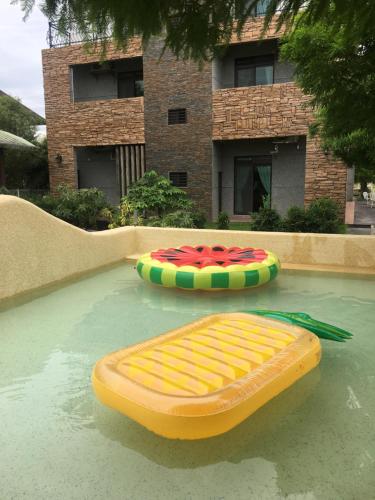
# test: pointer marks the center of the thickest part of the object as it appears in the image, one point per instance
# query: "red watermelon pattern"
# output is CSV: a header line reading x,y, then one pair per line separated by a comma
x,y
203,256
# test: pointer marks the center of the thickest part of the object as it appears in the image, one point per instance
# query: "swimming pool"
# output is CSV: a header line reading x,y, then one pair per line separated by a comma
x,y
315,440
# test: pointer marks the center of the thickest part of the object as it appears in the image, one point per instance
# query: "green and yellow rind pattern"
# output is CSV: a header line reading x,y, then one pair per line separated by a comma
x,y
235,277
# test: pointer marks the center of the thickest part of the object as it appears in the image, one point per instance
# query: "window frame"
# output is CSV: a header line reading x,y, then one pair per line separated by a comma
x,y
176,112
178,172
135,74
256,160
254,62
257,13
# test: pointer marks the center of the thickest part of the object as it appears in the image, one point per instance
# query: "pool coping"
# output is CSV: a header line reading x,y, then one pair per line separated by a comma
x,y
38,250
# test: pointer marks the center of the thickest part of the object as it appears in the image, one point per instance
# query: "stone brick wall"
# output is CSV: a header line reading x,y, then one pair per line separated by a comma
x,y
69,124
325,176
253,31
276,111
261,111
226,114
169,84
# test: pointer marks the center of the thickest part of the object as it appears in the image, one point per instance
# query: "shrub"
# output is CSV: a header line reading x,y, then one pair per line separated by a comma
x,y
125,215
154,221
267,219
3,190
180,218
223,221
296,220
323,216
199,219
79,207
154,193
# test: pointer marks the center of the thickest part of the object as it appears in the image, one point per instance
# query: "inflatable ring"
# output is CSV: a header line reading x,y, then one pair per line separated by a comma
x,y
208,268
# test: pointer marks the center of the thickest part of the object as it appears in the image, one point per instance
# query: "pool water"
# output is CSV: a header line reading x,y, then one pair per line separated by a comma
x,y
315,440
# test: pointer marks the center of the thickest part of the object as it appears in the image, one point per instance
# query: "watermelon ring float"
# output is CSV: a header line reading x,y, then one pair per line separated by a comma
x,y
208,268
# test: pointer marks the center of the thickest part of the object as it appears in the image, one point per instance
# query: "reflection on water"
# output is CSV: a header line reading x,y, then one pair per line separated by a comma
x,y
313,441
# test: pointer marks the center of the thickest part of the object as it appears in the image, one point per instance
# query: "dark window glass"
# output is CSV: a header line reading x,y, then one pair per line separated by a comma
x,y
252,71
261,7
176,116
178,179
130,84
252,184
220,189
259,10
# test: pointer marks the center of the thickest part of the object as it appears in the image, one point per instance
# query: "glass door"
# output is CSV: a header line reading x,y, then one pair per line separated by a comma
x,y
252,184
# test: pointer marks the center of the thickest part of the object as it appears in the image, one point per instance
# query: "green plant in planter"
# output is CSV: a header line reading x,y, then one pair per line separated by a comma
x,y
79,207
323,216
296,220
223,221
180,218
154,194
267,219
126,215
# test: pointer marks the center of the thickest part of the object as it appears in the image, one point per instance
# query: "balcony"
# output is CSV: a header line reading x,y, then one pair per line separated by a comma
x,y
56,38
261,111
114,79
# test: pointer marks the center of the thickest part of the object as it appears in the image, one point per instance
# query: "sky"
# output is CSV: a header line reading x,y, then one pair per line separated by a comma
x,y
21,43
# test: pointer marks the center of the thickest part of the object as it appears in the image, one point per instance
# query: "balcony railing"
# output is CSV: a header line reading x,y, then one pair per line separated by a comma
x,y
57,38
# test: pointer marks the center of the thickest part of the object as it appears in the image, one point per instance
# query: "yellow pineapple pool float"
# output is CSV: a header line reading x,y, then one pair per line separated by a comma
x,y
205,378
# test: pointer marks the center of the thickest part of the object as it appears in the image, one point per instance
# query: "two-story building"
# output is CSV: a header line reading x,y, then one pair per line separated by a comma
x,y
233,132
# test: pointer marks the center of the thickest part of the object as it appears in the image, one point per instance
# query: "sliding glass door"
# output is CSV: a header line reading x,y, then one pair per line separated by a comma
x,y
252,183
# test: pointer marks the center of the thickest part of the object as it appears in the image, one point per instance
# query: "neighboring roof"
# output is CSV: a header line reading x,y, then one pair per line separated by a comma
x,y
38,120
8,140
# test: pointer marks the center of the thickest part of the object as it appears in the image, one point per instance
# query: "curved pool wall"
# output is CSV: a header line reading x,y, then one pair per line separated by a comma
x,y
38,249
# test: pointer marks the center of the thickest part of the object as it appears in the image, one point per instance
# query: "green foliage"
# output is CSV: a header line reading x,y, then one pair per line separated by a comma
x,y
23,168
154,193
194,29
223,221
154,221
180,218
335,64
296,220
3,190
199,219
81,208
153,201
267,219
27,169
124,216
323,216
16,118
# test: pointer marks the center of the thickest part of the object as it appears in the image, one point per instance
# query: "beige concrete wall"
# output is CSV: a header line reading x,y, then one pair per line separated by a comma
x,y
37,249
345,252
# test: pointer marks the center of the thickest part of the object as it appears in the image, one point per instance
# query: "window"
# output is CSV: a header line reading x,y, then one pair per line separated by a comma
x,y
115,79
178,179
130,84
252,71
176,116
259,10
261,7
252,184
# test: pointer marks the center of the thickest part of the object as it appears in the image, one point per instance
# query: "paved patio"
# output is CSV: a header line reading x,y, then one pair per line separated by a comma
x,y
364,216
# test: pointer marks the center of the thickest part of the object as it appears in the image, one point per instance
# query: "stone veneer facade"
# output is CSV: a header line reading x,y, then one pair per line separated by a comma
x,y
276,111
171,84
220,115
90,123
